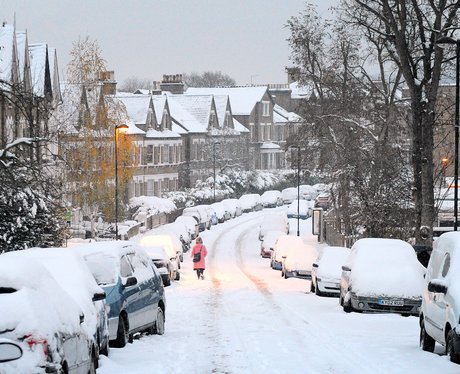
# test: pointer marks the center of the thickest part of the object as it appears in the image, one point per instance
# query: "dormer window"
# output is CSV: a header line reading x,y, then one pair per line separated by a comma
x,y
212,117
166,119
150,120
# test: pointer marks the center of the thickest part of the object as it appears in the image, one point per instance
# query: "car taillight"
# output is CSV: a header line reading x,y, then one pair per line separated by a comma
x,y
33,341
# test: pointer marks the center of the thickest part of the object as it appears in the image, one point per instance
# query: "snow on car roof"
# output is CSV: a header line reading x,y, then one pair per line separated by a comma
x,y
331,260
39,305
386,267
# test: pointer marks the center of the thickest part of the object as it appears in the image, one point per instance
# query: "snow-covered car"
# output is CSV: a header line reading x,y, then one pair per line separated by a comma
x,y
73,275
233,206
267,245
271,199
298,260
41,318
300,208
134,289
221,212
440,314
289,195
327,270
172,245
307,192
323,200
201,214
282,246
191,224
382,275
160,258
273,221
250,202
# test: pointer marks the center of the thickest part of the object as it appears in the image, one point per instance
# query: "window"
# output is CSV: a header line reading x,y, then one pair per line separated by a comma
x,y
251,129
165,154
446,266
156,156
262,131
157,188
150,187
149,155
125,267
171,154
266,108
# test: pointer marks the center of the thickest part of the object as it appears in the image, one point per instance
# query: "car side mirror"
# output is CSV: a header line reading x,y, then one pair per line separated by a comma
x,y
315,265
438,286
82,318
131,281
346,268
99,296
283,256
9,352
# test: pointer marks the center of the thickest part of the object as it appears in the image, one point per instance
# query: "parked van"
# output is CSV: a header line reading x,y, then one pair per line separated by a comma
x,y
439,317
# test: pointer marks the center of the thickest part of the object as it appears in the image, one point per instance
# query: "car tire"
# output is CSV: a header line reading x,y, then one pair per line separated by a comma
x,y
450,348
177,277
318,292
426,341
167,281
347,307
94,364
123,336
104,350
285,274
159,328
312,287
341,300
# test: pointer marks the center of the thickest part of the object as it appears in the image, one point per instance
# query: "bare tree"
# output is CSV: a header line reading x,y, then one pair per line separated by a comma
x,y
208,79
408,31
132,84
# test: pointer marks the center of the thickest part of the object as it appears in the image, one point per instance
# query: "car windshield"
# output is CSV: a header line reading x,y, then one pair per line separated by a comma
x,y
103,267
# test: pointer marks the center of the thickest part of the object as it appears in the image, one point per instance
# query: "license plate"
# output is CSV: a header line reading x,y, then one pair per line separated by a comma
x,y
303,272
391,302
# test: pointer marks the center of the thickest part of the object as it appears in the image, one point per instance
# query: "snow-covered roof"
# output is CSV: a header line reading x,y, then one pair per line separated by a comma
x,y
281,115
21,43
197,105
183,117
38,56
242,99
221,102
6,52
136,106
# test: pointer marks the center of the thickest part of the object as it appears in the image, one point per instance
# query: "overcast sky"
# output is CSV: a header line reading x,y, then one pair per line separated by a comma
x,y
245,39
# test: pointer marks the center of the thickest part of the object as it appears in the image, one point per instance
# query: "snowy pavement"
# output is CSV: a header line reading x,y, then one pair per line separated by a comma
x,y
245,318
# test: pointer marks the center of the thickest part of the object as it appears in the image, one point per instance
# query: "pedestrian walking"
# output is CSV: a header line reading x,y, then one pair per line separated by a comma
x,y
198,255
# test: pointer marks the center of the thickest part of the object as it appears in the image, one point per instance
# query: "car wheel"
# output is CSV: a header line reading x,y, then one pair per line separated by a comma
x,y
347,308
312,287
94,364
160,322
285,274
318,292
167,281
104,350
426,341
450,348
341,300
177,277
123,336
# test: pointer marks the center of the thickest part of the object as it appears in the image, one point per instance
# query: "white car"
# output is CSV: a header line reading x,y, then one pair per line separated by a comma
x,y
289,195
271,199
440,314
162,262
191,224
172,246
41,318
267,245
282,246
382,275
250,202
327,270
274,221
233,206
74,276
221,212
298,261
300,208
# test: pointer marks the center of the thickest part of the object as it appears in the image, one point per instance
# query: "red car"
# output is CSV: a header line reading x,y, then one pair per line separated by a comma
x,y
266,246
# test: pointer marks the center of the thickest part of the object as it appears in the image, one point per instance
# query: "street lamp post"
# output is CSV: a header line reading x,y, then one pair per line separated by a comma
x,y
214,166
298,191
117,127
456,42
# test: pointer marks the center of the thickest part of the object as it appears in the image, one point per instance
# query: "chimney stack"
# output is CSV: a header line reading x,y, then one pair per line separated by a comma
x,y
109,84
173,84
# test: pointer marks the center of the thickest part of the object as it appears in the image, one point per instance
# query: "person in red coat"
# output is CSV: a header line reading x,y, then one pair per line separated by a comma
x,y
199,264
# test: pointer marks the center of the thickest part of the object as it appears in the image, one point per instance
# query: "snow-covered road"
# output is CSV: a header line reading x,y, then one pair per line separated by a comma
x,y
245,318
